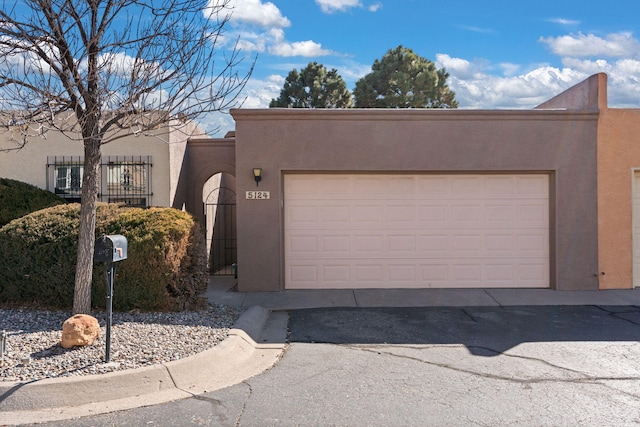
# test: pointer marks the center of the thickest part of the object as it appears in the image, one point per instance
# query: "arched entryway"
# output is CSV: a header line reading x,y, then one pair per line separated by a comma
x,y
206,189
219,199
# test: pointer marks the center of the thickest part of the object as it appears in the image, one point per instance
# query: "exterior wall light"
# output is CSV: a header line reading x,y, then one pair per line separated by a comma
x,y
257,175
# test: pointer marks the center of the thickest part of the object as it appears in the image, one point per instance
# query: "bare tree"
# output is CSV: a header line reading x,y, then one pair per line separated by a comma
x,y
99,70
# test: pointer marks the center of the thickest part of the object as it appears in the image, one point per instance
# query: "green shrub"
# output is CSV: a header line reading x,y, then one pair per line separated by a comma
x,y
18,199
165,269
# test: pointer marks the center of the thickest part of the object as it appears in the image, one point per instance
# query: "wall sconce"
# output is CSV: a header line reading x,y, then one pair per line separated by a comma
x,y
257,175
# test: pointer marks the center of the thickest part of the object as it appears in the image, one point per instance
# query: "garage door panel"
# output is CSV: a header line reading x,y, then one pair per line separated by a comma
x,y
302,243
500,272
368,213
532,272
433,185
336,274
501,185
532,186
466,244
402,273
402,245
435,213
368,244
416,231
371,275
302,215
333,214
336,244
465,186
400,214
304,275
499,244
501,214
534,244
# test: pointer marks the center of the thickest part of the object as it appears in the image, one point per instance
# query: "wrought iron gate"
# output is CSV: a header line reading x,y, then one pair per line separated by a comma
x,y
220,213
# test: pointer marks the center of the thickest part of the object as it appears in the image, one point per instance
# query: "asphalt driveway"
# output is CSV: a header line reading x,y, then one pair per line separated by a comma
x,y
441,366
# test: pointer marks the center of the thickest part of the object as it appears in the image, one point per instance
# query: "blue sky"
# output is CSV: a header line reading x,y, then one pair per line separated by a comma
x,y
500,54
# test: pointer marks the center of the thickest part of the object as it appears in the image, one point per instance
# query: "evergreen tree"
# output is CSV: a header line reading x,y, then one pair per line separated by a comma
x,y
313,87
402,79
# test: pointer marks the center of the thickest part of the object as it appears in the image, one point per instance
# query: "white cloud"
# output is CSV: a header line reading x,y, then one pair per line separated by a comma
x,y
477,88
256,12
260,92
375,7
477,29
259,27
509,69
479,84
306,48
330,6
462,68
563,21
513,92
583,45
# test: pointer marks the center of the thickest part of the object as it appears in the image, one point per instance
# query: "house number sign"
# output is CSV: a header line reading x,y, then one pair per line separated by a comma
x,y
258,195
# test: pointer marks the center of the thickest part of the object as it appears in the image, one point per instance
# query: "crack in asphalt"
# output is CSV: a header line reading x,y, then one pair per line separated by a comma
x,y
469,315
585,380
617,314
244,404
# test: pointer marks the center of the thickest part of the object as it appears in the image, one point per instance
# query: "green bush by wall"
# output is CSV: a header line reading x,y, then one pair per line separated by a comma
x,y
165,269
19,198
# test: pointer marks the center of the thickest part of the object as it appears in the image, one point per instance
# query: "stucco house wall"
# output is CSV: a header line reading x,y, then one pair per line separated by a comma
x,y
618,154
561,143
618,157
166,147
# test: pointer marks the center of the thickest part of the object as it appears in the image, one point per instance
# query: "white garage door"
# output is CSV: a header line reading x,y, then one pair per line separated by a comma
x,y
416,231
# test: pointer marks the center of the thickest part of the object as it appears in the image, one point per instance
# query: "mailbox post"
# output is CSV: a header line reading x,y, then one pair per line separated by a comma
x,y
110,249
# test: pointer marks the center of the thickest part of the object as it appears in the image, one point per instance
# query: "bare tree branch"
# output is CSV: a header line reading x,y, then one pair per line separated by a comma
x,y
102,70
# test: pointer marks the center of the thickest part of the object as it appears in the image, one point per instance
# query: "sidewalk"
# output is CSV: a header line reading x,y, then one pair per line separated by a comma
x,y
221,292
255,344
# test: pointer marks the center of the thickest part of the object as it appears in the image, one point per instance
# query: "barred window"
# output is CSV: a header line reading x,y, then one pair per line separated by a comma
x,y
64,177
123,179
127,179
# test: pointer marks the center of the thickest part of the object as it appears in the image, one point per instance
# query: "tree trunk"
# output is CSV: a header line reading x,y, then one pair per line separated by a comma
x,y
86,236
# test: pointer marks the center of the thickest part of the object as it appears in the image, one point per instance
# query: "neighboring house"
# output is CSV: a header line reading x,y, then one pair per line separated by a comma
x,y
140,170
137,170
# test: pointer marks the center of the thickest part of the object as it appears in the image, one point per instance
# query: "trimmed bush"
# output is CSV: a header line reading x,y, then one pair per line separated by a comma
x,y
18,199
165,269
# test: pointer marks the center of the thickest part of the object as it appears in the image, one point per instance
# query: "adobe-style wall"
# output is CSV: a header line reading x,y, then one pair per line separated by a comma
x,y
560,143
29,164
204,158
618,156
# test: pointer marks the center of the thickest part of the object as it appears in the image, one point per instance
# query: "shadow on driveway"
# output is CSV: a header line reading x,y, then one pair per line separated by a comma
x,y
478,328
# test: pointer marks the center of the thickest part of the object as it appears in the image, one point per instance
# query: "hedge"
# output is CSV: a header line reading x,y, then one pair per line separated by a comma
x,y
19,198
165,269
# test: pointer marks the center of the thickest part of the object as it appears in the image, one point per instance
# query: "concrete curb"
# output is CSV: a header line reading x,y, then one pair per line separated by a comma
x,y
234,360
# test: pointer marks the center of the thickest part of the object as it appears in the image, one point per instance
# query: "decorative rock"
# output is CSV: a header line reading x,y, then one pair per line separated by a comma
x,y
80,330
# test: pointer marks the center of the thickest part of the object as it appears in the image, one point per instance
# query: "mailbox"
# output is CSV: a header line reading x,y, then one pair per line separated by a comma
x,y
110,248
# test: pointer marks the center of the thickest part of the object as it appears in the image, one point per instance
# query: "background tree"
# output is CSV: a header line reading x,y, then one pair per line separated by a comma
x,y
313,87
402,79
99,70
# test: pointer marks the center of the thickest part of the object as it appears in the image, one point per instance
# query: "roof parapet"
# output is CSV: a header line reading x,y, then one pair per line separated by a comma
x,y
588,95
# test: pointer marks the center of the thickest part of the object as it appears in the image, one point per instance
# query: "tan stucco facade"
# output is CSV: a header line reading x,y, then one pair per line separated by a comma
x,y
618,157
166,147
560,143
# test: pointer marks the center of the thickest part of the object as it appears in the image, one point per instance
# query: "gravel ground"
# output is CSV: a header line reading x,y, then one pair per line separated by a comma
x,y
33,349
